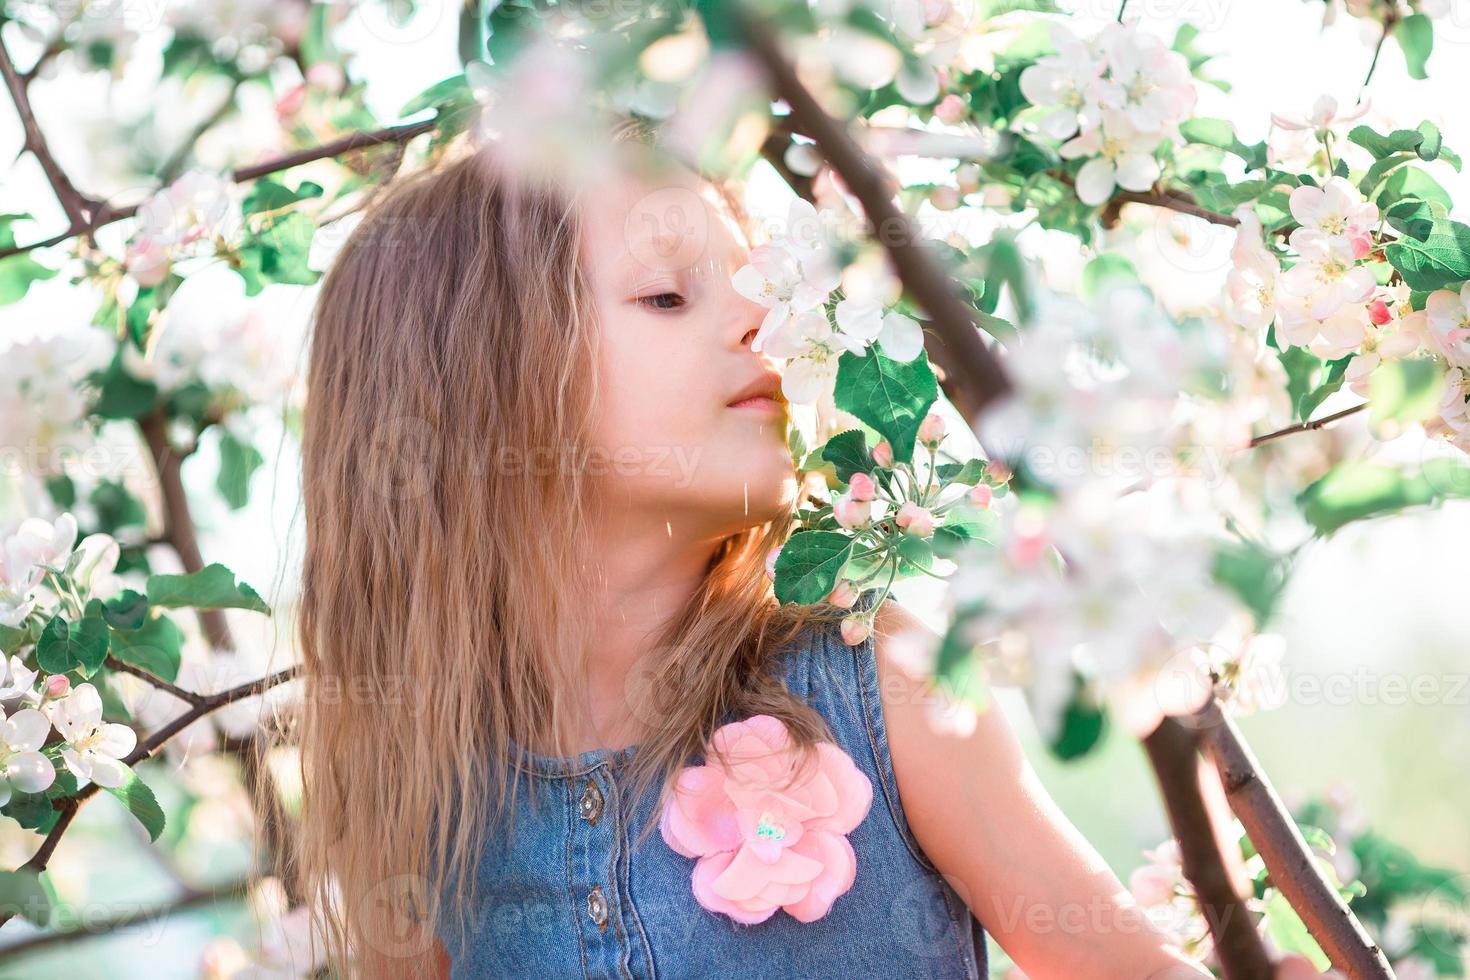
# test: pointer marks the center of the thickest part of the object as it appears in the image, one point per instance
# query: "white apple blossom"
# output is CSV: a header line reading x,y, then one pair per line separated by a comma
x,y
1326,275
36,545
786,284
1322,117
1337,210
1121,155
95,749
16,681
1146,80
1067,83
22,766
1118,97
1250,286
1447,314
195,208
42,400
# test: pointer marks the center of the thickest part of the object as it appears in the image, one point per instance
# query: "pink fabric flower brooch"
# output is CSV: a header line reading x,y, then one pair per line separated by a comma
x,y
761,847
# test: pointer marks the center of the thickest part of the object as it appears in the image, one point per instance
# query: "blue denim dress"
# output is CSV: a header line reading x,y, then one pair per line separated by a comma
x,y
568,897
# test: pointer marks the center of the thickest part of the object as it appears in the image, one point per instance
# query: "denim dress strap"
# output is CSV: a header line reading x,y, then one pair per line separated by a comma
x,y
571,897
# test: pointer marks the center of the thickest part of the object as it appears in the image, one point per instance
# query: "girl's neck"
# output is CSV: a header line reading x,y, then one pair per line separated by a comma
x,y
650,571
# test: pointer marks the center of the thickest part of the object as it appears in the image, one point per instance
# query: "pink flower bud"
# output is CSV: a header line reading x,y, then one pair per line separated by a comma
x,y
883,454
1028,547
951,109
998,471
851,513
57,686
771,557
856,629
981,495
861,487
1362,243
915,519
1378,312
843,594
931,430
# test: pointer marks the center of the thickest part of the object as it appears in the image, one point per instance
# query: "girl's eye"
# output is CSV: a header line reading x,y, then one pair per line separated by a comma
x,y
663,301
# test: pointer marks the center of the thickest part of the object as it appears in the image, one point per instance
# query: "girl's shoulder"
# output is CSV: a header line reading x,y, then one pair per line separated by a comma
x,y
842,682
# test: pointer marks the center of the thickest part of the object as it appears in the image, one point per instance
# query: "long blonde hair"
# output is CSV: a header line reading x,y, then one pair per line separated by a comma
x,y
454,335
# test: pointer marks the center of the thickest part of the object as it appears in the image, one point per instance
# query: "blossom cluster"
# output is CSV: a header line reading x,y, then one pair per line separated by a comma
x,y
41,562
1113,98
1109,576
793,276
184,219
1330,302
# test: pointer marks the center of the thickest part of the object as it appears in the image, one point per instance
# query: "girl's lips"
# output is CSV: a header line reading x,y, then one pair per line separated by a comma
x,y
762,403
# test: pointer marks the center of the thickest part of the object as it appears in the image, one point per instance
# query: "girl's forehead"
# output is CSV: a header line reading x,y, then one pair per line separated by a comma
x,y
684,224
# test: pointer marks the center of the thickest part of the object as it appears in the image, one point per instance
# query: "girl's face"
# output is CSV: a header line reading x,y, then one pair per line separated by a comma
x,y
679,435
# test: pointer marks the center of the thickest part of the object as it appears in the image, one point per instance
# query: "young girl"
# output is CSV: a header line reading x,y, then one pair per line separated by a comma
x,y
543,472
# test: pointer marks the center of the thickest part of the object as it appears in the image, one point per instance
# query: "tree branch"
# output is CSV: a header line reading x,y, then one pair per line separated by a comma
x,y
106,214
1173,751
191,899
145,750
1276,838
77,206
955,342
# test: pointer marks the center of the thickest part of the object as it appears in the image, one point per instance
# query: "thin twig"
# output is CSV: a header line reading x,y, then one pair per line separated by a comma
x,y
106,214
188,697
1276,838
1307,426
91,926
78,207
145,750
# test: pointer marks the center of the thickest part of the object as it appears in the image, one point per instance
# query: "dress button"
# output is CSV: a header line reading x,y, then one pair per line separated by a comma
x,y
597,907
591,805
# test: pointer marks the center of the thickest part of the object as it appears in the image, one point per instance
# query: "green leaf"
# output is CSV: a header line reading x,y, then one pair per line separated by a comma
x,y
1398,141
1356,490
212,587
116,507
154,646
1104,270
1441,259
23,893
1415,35
1081,727
962,526
238,461
1255,575
969,472
1219,133
1432,144
916,551
125,611
848,452
1407,390
1336,372
120,395
267,195
453,92
141,803
891,396
1289,933
12,639
79,646
17,272
809,564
